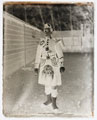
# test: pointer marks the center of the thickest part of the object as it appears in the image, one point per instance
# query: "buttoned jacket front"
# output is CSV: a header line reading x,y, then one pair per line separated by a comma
x,y
49,59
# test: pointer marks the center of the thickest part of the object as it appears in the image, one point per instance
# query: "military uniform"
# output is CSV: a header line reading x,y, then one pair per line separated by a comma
x,y
49,63
49,59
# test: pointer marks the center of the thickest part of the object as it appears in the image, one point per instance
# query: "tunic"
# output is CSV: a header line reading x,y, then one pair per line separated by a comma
x,y
49,59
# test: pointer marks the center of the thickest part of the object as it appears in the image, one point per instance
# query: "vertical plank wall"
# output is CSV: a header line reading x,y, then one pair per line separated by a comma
x,y
20,41
31,39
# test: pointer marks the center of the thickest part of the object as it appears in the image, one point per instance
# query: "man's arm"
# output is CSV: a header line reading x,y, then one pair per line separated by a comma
x,y
60,56
37,59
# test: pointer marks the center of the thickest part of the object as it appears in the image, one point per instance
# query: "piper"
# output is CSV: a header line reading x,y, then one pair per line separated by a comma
x,y
49,64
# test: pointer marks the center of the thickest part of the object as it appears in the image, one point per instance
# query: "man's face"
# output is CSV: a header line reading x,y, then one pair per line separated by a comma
x,y
47,31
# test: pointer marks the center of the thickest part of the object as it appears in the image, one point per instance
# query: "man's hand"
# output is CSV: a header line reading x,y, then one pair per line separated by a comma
x,y
36,70
62,69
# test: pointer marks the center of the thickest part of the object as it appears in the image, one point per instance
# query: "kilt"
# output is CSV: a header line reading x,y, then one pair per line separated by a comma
x,y
49,74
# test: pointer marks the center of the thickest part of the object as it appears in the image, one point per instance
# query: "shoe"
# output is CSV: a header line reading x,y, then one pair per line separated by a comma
x,y
46,106
56,111
43,105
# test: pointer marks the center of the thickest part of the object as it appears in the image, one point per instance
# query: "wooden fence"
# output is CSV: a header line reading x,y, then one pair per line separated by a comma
x,y
19,43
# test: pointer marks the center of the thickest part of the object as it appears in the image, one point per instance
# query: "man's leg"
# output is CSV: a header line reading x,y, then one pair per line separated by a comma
x,y
54,94
48,94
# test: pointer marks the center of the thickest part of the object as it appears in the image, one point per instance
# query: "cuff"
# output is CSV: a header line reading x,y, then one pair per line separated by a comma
x,y
36,65
61,62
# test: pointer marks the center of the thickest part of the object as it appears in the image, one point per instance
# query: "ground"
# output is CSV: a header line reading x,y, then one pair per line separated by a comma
x,y
23,95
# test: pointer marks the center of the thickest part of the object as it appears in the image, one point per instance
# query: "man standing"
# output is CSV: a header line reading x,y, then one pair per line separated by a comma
x,y
49,65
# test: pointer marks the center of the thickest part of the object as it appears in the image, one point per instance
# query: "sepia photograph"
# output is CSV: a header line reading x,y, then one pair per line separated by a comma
x,y
48,59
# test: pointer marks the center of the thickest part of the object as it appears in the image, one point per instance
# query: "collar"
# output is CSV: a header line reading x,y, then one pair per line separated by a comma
x,y
48,37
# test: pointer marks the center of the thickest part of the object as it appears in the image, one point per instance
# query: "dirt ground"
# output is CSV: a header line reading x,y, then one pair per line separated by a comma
x,y
23,96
